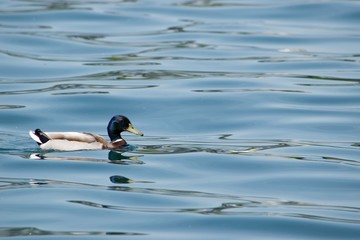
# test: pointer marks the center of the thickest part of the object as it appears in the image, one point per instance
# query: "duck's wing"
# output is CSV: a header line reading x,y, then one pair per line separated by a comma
x,y
70,136
75,136
67,141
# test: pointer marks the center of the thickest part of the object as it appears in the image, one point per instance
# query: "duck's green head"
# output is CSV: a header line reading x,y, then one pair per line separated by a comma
x,y
120,124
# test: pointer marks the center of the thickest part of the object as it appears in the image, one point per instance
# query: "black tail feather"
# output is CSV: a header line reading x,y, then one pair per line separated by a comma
x,y
42,136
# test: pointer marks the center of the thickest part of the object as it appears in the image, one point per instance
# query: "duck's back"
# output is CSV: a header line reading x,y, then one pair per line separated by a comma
x,y
70,141
72,136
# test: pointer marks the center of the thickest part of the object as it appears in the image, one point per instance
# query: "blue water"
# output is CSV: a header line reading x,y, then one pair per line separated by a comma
x,y
250,110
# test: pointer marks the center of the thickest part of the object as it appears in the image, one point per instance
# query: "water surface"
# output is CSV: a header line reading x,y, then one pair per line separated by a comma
x,y
250,111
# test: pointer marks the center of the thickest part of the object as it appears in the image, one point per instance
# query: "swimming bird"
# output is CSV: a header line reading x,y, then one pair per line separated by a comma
x,y
71,141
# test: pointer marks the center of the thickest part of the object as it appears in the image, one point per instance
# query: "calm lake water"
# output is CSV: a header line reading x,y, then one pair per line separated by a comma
x,y
250,111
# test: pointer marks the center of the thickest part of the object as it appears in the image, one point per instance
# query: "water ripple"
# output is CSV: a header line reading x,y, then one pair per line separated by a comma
x,y
11,106
238,205
33,232
66,87
250,111
269,207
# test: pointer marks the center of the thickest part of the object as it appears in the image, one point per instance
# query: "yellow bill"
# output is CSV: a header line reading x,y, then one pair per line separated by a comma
x,y
134,130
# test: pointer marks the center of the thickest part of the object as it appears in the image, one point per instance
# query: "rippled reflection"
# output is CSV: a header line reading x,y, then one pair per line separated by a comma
x,y
221,204
66,88
238,206
231,204
11,106
114,157
33,232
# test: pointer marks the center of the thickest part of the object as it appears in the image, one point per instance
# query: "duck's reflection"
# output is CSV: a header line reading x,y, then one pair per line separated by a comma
x,y
118,158
120,179
114,157
117,179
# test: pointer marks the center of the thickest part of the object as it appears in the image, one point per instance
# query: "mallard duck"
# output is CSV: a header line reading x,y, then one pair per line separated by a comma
x,y
70,141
